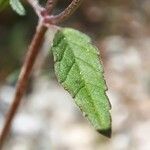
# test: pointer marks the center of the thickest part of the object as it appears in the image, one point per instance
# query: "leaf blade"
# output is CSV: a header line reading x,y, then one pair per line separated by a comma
x,y
79,71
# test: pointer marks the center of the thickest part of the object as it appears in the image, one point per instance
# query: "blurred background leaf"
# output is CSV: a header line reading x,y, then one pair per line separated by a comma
x,y
17,7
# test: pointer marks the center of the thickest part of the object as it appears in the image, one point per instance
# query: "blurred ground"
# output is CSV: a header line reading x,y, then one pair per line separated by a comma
x,y
48,118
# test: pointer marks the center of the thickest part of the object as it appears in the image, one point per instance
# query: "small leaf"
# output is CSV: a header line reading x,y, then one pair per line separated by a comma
x,y
17,6
80,72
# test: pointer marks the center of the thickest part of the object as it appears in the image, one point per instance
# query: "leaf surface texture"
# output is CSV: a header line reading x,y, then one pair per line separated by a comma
x,y
79,70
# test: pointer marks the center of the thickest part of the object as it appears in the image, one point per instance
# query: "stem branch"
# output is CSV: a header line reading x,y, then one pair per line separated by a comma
x,y
50,5
65,14
33,50
36,7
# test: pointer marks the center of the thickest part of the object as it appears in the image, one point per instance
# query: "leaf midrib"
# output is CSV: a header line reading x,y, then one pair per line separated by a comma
x,y
85,85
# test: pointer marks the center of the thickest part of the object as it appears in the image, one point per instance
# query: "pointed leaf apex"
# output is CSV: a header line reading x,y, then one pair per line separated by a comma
x,y
106,132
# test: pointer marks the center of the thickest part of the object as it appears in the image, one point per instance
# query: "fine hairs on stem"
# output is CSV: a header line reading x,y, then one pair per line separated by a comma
x,y
45,19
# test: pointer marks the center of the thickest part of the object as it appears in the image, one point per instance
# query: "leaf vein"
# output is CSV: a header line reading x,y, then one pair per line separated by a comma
x,y
68,73
96,52
78,91
87,63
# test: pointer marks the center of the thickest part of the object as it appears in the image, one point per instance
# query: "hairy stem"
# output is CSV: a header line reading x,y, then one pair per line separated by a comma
x,y
65,14
36,6
50,5
23,78
32,55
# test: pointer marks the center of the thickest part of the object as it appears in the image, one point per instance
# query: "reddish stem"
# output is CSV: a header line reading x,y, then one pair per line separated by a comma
x,y
23,78
32,54
50,5
67,12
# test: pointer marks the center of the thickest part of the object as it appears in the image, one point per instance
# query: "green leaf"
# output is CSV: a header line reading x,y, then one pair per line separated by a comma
x,y
17,7
80,72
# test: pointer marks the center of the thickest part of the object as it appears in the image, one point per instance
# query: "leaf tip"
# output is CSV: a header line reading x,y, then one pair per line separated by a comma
x,y
105,132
